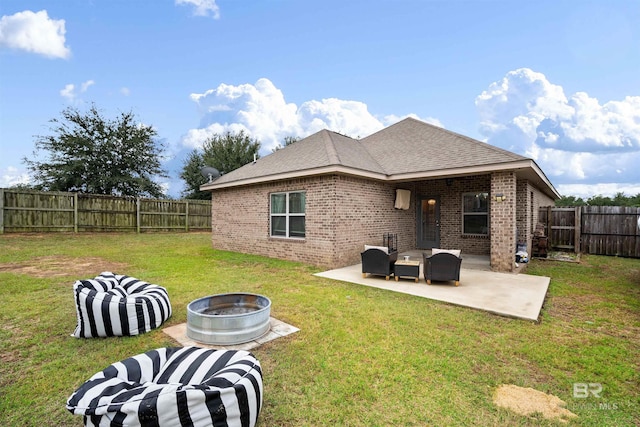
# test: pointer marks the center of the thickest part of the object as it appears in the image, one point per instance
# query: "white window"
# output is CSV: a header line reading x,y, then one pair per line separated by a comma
x,y
475,213
288,214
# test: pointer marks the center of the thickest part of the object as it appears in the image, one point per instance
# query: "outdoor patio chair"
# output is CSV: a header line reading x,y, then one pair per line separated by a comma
x,y
377,260
175,386
442,265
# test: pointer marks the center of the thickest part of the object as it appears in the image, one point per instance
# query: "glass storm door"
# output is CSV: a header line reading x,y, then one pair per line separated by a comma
x,y
428,225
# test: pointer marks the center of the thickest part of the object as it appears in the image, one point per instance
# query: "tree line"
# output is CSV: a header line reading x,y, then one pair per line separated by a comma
x,y
620,199
90,153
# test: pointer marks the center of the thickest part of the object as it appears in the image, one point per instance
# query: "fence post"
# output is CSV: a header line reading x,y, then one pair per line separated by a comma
x,y
549,226
577,247
1,210
75,212
186,217
138,214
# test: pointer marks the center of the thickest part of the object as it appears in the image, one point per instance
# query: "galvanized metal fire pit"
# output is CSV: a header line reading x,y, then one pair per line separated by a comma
x,y
228,319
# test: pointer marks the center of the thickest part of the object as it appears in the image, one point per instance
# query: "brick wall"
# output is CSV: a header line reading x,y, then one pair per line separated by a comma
x,y
240,221
344,213
503,221
524,203
365,212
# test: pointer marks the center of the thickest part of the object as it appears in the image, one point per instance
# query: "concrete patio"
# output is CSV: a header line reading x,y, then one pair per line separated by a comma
x,y
513,295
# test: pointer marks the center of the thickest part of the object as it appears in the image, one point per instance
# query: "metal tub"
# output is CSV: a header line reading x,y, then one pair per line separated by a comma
x,y
227,319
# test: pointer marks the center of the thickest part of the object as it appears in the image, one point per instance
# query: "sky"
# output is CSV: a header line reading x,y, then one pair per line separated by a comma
x,y
556,81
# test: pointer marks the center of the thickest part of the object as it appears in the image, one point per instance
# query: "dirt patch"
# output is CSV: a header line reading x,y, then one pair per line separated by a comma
x,y
56,266
572,307
528,401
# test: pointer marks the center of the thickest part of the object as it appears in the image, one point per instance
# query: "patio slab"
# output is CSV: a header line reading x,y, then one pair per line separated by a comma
x,y
513,295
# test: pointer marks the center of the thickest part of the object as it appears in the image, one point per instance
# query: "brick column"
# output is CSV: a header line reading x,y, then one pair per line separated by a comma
x,y
503,221
524,211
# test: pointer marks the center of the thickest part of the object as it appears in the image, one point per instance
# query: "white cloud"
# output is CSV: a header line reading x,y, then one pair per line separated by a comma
x,y
34,32
575,139
603,189
350,118
84,86
125,91
202,7
262,111
68,92
259,109
392,118
72,94
195,137
11,176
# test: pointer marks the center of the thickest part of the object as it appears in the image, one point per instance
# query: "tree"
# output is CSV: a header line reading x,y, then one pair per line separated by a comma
x,y
288,140
224,152
620,199
600,200
570,201
92,154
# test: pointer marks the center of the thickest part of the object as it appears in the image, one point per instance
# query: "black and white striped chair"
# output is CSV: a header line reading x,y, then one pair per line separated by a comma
x,y
182,386
117,305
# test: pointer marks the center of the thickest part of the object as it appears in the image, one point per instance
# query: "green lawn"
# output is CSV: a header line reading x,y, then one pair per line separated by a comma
x,y
362,357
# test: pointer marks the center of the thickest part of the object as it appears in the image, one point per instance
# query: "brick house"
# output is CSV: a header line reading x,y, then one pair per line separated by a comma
x,y
321,199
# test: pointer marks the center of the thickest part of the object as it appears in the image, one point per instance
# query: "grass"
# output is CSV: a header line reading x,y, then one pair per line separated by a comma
x,y
362,357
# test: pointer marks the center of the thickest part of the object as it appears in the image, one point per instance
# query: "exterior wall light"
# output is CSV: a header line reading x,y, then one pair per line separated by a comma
x,y
499,197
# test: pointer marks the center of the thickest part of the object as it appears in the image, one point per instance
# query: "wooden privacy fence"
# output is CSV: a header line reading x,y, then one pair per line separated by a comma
x,y
34,211
598,230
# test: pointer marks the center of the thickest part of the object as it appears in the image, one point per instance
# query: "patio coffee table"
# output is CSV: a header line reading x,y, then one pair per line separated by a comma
x,y
407,268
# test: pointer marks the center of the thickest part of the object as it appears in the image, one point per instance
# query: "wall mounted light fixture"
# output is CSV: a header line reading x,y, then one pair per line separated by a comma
x,y
500,197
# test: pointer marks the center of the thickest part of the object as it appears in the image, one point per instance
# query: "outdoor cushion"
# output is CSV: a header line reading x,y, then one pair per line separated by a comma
x,y
455,252
179,386
118,305
382,248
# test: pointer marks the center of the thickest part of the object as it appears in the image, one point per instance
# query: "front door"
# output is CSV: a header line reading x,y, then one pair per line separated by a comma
x,y
428,225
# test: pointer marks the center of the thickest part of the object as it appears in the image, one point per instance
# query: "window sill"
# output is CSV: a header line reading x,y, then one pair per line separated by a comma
x,y
288,239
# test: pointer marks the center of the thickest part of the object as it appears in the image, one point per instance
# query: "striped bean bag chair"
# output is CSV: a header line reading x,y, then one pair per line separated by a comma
x,y
181,386
117,305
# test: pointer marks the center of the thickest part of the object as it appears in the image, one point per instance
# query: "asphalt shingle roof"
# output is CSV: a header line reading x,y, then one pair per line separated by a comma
x,y
322,149
409,146
414,146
